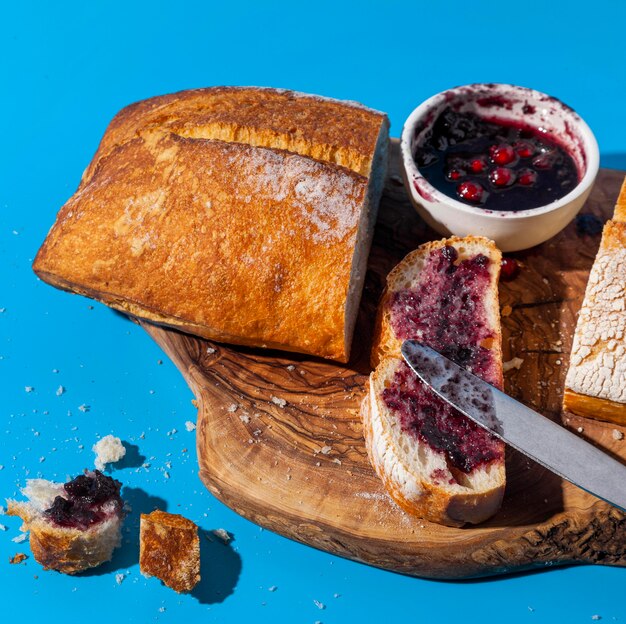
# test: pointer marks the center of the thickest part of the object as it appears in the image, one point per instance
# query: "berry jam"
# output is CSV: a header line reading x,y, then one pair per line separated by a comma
x,y
494,165
445,311
85,497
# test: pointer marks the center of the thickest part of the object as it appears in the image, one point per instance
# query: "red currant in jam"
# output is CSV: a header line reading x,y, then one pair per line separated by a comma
x,y
526,177
524,149
478,165
502,154
471,192
455,174
509,269
501,176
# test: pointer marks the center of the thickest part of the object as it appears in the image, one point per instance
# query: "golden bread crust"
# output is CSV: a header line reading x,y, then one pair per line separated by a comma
x,y
170,550
593,407
322,128
229,256
191,216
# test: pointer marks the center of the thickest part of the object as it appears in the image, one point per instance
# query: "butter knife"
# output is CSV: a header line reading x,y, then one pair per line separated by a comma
x,y
544,441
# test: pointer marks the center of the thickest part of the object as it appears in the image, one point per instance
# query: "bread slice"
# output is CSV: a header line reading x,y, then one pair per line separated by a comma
x,y
169,549
595,385
239,215
434,462
69,532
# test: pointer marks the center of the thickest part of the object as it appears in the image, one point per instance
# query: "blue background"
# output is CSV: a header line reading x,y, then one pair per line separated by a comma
x,y
64,71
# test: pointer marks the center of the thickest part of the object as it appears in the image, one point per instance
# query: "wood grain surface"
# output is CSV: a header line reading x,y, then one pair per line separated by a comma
x,y
280,442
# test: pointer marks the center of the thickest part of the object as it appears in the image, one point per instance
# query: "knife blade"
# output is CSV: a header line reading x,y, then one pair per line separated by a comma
x,y
541,439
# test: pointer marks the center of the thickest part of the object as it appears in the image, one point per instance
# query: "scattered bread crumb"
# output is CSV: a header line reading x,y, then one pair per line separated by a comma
x,y
244,418
318,604
513,363
326,449
232,408
18,558
190,426
60,390
280,402
617,434
291,367
273,588
20,538
222,534
84,408
119,578
210,350
580,429
108,450
29,388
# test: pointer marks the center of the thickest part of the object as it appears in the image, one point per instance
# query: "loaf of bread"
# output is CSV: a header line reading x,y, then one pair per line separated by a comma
x,y
242,215
169,549
434,462
595,385
73,526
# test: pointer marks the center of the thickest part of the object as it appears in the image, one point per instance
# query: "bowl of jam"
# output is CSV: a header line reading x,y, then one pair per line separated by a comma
x,y
498,160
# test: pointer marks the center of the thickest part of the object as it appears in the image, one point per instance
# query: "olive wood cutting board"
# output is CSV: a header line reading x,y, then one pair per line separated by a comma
x,y
280,442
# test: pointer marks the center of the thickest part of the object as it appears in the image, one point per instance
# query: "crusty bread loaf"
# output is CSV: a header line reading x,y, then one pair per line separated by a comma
x,y
595,385
193,214
419,452
66,549
169,549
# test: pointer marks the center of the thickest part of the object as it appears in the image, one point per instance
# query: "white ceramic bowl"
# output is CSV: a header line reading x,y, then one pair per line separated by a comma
x,y
511,231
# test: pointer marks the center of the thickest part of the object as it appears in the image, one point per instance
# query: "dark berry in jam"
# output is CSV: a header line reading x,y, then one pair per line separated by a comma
x,y
526,177
524,149
455,174
478,165
86,495
445,311
502,154
542,171
589,224
509,269
501,176
472,192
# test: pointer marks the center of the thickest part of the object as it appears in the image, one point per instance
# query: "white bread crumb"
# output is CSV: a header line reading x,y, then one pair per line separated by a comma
x,y
513,363
279,402
190,426
617,434
108,450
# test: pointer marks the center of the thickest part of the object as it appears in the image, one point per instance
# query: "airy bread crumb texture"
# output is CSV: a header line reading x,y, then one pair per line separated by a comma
x,y
108,450
170,550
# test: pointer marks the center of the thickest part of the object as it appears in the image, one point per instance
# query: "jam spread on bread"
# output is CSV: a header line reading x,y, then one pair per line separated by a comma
x,y
89,498
444,311
494,164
